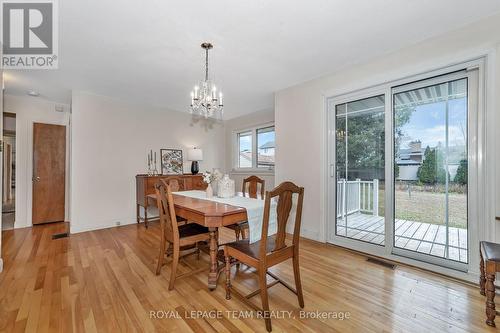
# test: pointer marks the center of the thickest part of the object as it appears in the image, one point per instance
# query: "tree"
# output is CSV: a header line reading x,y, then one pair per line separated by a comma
x,y
431,171
461,176
427,171
365,135
440,162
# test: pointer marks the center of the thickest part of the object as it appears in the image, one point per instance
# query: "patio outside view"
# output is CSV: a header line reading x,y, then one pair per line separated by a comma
x,y
430,194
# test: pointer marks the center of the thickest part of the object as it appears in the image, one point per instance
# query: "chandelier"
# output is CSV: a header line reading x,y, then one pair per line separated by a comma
x,y
204,98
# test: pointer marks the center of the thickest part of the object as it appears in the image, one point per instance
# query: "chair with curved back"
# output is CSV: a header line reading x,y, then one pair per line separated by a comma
x,y
249,189
179,237
176,184
270,250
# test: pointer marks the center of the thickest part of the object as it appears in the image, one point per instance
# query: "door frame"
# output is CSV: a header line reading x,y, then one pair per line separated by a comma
x,y
478,208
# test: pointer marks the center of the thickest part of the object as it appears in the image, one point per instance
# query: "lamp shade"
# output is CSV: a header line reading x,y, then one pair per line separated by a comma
x,y
195,154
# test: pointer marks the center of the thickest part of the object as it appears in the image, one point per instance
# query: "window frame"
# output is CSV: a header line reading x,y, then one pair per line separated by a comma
x,y
236,149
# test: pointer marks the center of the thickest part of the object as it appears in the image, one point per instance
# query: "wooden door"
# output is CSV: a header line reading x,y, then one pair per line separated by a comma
x,y
49,172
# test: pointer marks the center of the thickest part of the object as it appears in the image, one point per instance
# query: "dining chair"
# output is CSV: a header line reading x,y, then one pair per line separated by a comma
x,y
270,250
249,189
175,236
176,184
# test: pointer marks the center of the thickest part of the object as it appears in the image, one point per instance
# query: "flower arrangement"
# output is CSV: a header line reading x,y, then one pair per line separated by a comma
x,y
210,177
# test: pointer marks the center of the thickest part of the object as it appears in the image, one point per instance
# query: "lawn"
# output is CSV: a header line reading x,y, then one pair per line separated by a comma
x,y
429,207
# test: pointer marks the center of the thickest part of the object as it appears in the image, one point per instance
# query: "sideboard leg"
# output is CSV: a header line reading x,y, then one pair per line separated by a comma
x,y
138,213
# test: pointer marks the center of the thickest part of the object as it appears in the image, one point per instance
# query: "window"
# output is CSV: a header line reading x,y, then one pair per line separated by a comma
x,y
255,148
265,147
245,149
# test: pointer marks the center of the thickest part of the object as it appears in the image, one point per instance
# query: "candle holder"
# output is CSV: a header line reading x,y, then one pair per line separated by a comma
x,y
155,170
150,162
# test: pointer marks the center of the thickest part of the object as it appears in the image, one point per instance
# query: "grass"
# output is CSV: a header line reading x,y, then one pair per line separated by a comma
x,y
428,207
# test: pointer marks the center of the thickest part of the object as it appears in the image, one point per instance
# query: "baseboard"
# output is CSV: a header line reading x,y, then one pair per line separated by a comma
x,y
1,265
76,228
310,234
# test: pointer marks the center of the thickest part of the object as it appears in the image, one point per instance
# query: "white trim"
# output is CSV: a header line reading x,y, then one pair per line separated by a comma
x,y
389,173
29,171
485,213
75,229
260,171
415,75
1,265
370,249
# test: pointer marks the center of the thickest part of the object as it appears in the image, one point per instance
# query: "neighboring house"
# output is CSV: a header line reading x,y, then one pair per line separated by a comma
x,y
267,149
410,159
246,159
265,156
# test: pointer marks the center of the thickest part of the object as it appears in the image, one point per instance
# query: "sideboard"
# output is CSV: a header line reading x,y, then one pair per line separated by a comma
x,y
144,185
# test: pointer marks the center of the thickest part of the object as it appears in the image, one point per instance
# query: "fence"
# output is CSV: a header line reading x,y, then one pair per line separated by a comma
x,y
355,196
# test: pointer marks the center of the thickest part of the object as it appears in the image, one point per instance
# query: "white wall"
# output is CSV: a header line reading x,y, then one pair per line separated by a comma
x,y
496,136
110,142
29,110
301,118
235,124
1,155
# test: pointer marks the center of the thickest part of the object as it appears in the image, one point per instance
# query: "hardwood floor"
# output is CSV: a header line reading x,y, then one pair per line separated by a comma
x,y
104,281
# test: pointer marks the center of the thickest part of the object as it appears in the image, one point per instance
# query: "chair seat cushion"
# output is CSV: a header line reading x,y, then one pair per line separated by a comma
x,y
491,251
240,225
191,229
252,250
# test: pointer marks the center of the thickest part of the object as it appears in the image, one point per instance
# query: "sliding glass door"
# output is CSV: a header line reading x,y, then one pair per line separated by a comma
x,y
399,158
431,167
360,159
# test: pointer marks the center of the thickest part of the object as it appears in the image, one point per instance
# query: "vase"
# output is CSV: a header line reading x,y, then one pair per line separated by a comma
x,y
210,191
226,187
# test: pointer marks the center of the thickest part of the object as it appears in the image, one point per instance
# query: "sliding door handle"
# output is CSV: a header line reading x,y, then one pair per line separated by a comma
x,y
36,179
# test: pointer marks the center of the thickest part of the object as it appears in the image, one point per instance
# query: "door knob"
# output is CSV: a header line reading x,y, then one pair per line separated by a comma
x,y
36,179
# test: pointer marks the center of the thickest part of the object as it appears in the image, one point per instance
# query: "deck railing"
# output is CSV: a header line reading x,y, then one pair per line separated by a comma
x,y
355,196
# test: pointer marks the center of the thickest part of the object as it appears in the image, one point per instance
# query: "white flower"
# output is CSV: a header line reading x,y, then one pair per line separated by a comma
x,y
208,177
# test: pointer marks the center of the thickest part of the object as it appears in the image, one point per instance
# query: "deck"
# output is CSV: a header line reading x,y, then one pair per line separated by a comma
x,y
411,235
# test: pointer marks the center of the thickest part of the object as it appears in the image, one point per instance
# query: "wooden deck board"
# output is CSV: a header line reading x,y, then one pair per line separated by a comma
x,y
411,235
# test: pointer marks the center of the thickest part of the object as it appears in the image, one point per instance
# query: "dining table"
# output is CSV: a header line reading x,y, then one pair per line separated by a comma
x,y
212,214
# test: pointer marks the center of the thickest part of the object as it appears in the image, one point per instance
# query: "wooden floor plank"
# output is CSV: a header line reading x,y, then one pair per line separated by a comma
x,y
104,281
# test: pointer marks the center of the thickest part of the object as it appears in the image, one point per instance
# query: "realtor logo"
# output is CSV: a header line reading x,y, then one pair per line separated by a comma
x,y
29,34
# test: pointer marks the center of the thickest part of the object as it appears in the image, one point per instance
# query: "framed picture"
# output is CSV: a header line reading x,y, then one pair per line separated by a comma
x,y
171,162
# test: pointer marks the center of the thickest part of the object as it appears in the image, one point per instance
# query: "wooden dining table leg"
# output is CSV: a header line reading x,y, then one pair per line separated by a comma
x,y
212,275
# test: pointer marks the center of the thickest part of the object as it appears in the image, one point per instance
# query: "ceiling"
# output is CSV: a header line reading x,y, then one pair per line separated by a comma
x,y
148,52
